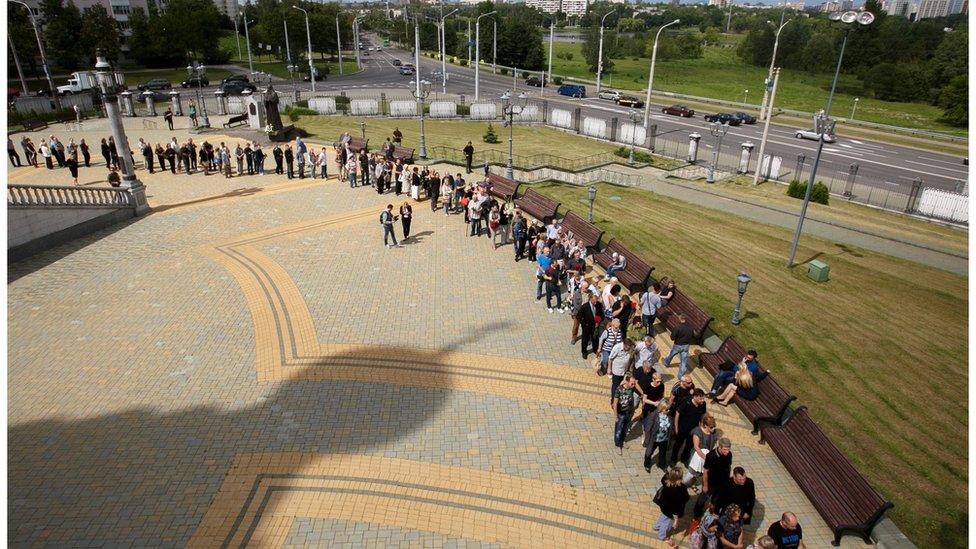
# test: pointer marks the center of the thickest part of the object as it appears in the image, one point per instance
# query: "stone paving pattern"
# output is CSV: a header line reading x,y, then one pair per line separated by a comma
x,y
153,401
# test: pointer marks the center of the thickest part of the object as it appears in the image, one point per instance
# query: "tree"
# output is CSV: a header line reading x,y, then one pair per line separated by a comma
x,y
519,41
183,31
955,100
22,35
99,30
893,81
591,49
62,34
819,53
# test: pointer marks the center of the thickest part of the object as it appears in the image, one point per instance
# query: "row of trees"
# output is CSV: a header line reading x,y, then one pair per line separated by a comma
x,y
181,31
70,36
270,17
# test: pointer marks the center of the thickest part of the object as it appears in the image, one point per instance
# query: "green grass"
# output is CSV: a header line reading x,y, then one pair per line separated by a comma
x,y
878,352
271,64
279,68
132,78
720,74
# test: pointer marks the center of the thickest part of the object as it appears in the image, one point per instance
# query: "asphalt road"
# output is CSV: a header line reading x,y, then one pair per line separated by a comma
x,y
885,166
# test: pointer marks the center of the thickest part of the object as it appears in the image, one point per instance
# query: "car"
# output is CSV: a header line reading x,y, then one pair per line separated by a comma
x,y
572,90
612,95
379,48
407,70
745,117
534,81
723,118
814,136
155,84
678,110
397,62
320,75
236,87
196,82
235,78
630,101
371,48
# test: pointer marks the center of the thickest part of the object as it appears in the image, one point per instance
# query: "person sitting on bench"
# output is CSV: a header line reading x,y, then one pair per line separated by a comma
x,y
619,264
726,372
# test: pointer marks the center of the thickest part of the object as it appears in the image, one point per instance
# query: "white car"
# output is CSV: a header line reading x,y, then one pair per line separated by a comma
x,y
611,95
814,136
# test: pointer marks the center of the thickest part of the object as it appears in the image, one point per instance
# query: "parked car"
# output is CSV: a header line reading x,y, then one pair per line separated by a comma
x,y
534,81
407,70
320,74
397,62
572,90
155,84
723,118
678,110
235,78
612,95
236,87
745,117
814,136
196,82
630,101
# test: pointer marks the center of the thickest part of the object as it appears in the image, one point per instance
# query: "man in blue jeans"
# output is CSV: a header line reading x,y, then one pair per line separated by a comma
x,y
725,376
623,408
683,337
387,219
544,261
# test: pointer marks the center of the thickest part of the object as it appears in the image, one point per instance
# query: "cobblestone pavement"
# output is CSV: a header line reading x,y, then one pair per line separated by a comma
x,y
257,369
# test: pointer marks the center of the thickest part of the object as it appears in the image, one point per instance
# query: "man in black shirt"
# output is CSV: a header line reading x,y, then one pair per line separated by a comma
x,y
686,419
590,316
278,155
290,161
717,468
682,336
468,155
741,491
787,533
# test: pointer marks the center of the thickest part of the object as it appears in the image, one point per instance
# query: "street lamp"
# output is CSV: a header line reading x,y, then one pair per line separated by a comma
x,y
650,77
338,46
308,33
247,38
355,32
599,61
40,48
592,194
512,106
198,70
766,109
444,52
634,118
362,126
477,51
863,19
719,131
743,281
420,94
745,97
108,88
853,110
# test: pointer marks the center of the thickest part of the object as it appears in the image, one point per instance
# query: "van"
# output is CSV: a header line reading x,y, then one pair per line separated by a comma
x,y
572,90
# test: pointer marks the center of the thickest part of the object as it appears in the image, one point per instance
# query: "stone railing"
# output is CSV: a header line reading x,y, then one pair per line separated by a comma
x,y
32,196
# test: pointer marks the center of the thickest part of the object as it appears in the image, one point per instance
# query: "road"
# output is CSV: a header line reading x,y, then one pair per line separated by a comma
x,y
883,165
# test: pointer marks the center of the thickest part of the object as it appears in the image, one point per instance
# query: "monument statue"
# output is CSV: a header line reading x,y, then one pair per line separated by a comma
x,y
271,108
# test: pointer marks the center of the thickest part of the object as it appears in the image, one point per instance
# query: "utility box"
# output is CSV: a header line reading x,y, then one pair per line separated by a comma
x,y
818,271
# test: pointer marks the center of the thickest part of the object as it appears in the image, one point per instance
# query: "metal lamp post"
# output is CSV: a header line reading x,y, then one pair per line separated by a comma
x,y
854,109
355,32
247,38
634,119
592,194
477,52
650,78
338,45
362,126
40,49
599,57
110,99
420,94
864,19
743,281
308,33
766,110
198,70
745,97
719,131
512,106
444,52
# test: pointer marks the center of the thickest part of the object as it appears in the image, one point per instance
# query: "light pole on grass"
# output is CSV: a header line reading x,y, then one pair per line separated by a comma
x,y
745,97
40,49
247,38
308,34
650,78
766,109
444,51
477,52
420,94
599,57
634,119
199,71
591,192
512,106
850,19
743,282
854,109
717,130
338,45
362,126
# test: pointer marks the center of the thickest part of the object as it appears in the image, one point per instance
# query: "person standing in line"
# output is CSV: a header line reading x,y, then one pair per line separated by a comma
x,y
225,161
249,158
621,359
608,340
380,175
520,234
160,157
657,433
85,152
364,169
351,165
447,191
278,157
406,215
205,159
686,418
106,154
290,161
147,155
672,501
622,402
397,136
239,155
30,153
258,154
186,154
193,153
434,188
786,532
171,151
72,163
53,144
168,117
46,154
398,179
12,153
387,219
590,316
650,302
323,164
468,156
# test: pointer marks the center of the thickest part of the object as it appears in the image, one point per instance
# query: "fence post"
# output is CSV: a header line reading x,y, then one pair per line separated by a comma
x,y
651,137
851,174
383,105
798,172
744,158
913,195
613,128
576,120
545,111
693,140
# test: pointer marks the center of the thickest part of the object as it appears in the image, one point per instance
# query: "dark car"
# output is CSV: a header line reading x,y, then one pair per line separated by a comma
x,y
572,90
397,62
678,110
236,87
320,74
155,84
630,101
235,78
723,118
196,82
745,117
534,81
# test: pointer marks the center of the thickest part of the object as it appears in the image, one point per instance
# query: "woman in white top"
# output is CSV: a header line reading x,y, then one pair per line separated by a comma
x,y
323,163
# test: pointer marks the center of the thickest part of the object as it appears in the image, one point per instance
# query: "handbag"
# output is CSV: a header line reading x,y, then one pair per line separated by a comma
x,y
697,463
658,495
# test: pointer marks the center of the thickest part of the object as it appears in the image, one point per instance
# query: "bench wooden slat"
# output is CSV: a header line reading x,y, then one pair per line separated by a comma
x,y
842,496
403,153
636,273
585,232
356,144
502,187
32,124
537,205
697,318
238,119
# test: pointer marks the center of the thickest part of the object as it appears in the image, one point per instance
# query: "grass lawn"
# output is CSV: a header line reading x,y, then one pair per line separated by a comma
x,y
279,68
720,74
878,353
271,64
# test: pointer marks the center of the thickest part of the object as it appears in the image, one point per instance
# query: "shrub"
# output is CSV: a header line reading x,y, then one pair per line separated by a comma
x,y
464,110
525,74
819,194
490,136
463,62
342,103
639,156
557,80
504,72
14,118
295,112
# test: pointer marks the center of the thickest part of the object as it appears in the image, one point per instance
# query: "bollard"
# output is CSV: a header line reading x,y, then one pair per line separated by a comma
x,y
744,159
150,102
849,185
651,137
798,172
384,106
613,128
576,120
221,103
177,104
913,195
693,140
127,109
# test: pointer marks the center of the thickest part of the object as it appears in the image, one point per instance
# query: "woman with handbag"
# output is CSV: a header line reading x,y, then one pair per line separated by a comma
x,y
657,434
703,440
671,498
608,339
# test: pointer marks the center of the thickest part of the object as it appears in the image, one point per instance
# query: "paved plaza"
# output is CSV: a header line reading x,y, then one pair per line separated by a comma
x,y
248,365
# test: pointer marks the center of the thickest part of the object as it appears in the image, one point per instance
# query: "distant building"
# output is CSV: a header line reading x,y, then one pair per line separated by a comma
x,y
569,7
958,6
933,8
846,5
829,6
901,8
719,3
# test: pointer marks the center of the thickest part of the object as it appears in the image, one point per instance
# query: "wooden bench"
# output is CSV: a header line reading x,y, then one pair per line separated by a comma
x,y
633,276
770,407
66,117
502,187
235,120
32,124
840,493
696,317
537,205
402,153
583,231
356,144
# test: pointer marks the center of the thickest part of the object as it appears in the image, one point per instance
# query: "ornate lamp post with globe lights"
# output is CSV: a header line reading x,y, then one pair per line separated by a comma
x,y
199,71
110,98
511,107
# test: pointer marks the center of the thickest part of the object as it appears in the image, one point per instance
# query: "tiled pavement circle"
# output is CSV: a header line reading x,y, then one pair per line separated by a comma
x,y
258,368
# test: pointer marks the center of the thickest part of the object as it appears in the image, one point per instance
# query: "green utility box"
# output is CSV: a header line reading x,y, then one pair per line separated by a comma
x,y
818,271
